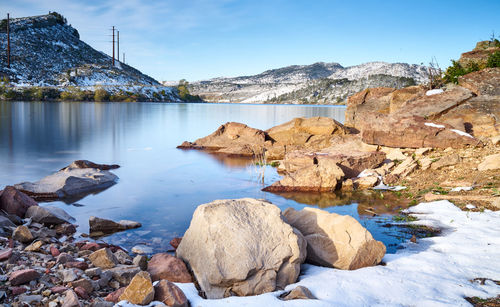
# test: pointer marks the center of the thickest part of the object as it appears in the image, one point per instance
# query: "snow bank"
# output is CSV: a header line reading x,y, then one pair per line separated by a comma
x,y
434,272
434,125
434,92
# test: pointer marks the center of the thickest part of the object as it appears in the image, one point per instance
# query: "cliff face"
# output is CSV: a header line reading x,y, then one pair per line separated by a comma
x,y
46,51
323,83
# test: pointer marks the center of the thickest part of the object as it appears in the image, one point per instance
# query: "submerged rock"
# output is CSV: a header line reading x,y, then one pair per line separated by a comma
x,y
269,251
334,240
99,226
79,178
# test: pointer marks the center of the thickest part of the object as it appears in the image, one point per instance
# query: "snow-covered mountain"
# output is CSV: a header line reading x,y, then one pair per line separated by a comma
x,y
326,83
46,51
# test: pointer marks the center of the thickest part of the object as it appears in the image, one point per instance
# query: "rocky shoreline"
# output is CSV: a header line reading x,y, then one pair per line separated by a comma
x,y
414,143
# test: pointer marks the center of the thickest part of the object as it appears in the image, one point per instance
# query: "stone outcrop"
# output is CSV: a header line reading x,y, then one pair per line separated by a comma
x,y
482,83
372,100
401,96
335,240
298,293
241,247
479,55
231,138
75,180
15,202
235,139
416,132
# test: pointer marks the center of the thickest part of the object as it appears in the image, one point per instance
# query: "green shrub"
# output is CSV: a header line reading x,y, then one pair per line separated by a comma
x,y
456,70
74,94
494,59
101,94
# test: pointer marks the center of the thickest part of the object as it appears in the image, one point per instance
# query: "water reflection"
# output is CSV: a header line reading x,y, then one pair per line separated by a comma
x,y
159,186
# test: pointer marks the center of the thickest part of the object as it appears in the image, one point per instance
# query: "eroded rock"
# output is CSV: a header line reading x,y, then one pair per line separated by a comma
x,y
165,266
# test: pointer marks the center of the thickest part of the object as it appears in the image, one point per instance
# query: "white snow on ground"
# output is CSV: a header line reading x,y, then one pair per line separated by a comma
x,y
458,189
462,133
434,92
436,271
434,125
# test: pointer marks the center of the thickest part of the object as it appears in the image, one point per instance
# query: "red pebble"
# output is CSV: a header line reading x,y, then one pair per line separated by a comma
x,y
5,254
54,251
77,264
18,290
81,293
58,289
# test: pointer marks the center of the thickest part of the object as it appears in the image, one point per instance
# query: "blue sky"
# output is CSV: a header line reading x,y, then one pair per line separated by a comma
x,y
201,39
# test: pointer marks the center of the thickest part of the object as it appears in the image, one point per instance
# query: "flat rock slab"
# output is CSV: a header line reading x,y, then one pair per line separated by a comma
x,y
71,181
416,132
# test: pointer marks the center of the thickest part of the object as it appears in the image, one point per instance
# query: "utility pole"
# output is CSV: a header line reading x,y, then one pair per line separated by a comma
x,y
123,58
113,29
8,41
118,41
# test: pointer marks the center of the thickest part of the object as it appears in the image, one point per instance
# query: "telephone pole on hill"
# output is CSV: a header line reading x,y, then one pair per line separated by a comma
x,y
113,29
123,58
8,41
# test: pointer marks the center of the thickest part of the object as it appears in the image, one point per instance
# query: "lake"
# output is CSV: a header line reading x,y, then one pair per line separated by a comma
x,y
160,186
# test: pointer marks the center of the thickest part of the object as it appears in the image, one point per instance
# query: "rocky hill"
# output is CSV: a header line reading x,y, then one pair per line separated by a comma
x,y
47,52
324,83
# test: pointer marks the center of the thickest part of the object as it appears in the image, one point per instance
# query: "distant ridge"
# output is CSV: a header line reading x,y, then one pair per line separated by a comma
x,y
323,83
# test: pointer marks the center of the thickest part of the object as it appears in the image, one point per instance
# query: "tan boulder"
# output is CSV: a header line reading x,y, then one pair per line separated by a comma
x,y
140,290
241,247
491,162
103,258
334,240
299,130
321,177
445,161
22,234
405,168
483,82
365,182
298,293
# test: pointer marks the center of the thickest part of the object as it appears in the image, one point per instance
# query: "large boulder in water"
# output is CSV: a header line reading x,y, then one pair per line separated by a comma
x,y
241,247
232,139
79,178
334,240
15,202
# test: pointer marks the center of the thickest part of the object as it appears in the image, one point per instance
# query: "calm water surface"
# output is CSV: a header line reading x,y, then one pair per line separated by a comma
x,y
160,186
